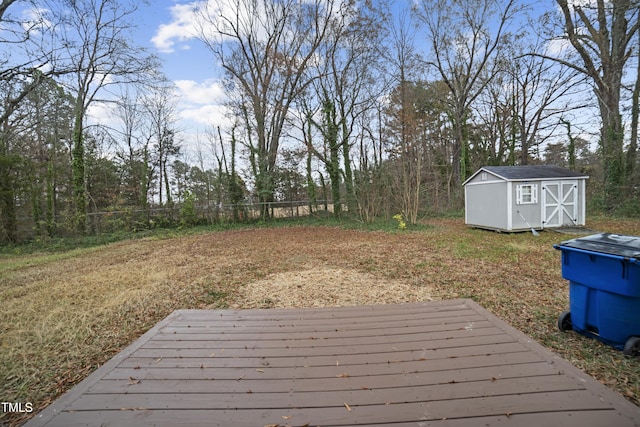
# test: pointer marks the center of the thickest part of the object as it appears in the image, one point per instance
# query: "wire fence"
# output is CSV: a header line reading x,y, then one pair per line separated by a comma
x,y
136,219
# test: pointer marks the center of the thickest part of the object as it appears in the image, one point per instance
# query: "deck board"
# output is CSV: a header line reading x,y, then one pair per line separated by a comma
x,y
445,363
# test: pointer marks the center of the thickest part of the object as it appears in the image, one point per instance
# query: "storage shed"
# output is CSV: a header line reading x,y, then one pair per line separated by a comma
x,y
506,198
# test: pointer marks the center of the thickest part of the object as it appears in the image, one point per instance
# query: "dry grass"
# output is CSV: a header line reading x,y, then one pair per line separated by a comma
x,y
65,315
323,286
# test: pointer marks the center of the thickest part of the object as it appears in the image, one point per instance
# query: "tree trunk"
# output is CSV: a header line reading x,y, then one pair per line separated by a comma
x,y
603,49
324,191
78,174
460,148
635,112
333,169
8,197
51,196
145,180
311,186
571,148
612,154
348,173
264,189
166,184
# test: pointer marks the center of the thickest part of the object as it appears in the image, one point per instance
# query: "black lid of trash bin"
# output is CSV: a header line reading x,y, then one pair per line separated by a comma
x,y
608,243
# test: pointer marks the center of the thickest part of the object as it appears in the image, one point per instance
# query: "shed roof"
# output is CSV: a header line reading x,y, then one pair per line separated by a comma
x,y
528,172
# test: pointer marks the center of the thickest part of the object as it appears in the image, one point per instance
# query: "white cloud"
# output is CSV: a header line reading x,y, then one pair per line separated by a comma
x,y
558,46
202,102
34,20
583,3
202,16
181,28
200,93
207,115
100,113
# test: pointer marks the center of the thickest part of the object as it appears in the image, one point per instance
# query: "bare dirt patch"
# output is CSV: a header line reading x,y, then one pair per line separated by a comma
x,y
326,287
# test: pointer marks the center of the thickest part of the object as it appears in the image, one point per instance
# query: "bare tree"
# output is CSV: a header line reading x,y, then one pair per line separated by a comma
x,y
329,154
25,62
464,36
402,111
632,168
542,93
264,47
4,6
97,44
160,109
522,105
600,32
347,78
134,142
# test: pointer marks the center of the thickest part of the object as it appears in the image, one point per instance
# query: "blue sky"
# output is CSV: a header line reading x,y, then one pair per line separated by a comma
x,y
165,29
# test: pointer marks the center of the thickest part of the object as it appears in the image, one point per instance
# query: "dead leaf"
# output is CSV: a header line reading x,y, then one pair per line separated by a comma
x,y
344,375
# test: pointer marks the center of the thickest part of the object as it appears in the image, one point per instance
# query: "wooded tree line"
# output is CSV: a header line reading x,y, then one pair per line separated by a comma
x,y
380,113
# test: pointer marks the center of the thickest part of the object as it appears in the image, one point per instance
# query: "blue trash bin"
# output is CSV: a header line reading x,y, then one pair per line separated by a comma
x,y
604,289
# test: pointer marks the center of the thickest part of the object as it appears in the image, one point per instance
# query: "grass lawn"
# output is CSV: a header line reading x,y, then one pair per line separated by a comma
x,y
64,313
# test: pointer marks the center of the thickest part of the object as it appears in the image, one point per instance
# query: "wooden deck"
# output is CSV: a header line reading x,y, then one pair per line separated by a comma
x,y
441,363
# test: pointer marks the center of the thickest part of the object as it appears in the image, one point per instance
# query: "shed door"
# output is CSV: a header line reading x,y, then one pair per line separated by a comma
x,y
559,203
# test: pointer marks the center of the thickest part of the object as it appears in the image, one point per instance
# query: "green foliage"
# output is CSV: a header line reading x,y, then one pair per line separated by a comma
x,y
402,225
188,215
449,213
164,227
629,208
64,244
78,176
10,166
